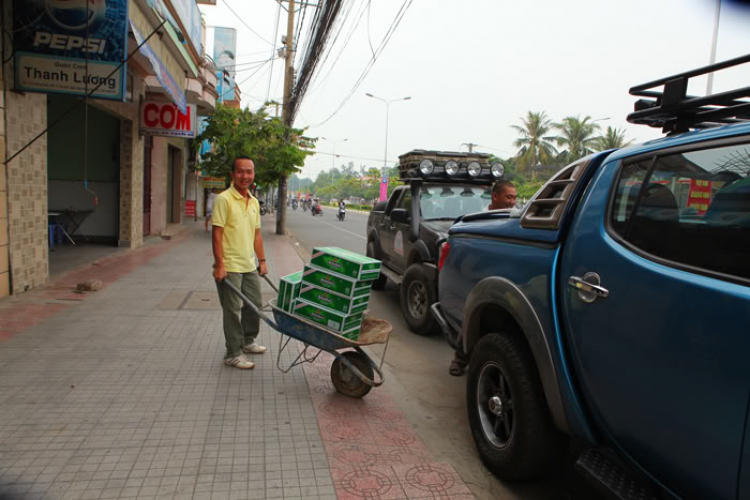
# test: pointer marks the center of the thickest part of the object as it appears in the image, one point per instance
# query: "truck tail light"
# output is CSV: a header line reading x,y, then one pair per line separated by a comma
x,y
445,249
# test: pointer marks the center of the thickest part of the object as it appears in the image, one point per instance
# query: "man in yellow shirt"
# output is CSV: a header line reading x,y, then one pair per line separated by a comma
x,y
236,241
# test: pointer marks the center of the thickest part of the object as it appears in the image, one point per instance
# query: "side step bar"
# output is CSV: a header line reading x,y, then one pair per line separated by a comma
x,y
451,336
394,277
612,479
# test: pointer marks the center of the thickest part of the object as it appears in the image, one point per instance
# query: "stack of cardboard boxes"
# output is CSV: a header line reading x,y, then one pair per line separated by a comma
x,y
333,291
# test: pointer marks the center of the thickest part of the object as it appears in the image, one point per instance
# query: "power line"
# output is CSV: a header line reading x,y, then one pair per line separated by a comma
x,y
394,25
243,22
275,34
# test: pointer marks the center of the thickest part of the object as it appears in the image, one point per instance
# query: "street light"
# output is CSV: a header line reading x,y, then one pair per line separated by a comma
x,y
387,113
333,156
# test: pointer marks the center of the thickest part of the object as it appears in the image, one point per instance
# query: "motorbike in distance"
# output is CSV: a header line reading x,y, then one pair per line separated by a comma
x,y
316,210
341,214
263,208
294,204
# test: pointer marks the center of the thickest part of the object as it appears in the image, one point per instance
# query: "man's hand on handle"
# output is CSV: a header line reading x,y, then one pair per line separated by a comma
x,y
219,273
262,268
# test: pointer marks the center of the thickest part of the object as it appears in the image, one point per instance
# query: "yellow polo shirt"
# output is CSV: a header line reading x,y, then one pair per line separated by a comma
x,y
240,217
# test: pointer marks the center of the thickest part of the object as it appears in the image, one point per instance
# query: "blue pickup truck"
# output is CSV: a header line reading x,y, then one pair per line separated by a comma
x,y
614,308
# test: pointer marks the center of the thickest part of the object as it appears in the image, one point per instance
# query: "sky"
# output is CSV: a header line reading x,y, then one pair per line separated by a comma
x,y
474,68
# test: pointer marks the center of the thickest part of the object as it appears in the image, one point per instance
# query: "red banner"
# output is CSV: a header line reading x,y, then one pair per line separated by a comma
x,y
699,196
189,208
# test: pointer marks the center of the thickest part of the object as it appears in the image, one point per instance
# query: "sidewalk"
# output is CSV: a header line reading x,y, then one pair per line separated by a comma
x,y
121,393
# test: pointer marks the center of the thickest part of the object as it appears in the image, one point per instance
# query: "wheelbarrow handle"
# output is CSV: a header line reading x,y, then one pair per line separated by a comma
x,y
225,282
270,283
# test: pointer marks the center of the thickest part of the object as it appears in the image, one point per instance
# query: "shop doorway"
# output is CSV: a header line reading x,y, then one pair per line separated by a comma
x,y
83,202
148,145
174,184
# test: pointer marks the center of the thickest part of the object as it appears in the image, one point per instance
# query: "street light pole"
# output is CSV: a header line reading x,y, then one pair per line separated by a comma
x,y
333,156
714,42
387,117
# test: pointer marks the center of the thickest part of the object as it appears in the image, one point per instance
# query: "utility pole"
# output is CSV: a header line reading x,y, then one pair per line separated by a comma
x,y
286,111
470,145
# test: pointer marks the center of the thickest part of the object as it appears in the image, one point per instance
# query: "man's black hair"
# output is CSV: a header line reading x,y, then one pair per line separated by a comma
x,y
501,186
241,157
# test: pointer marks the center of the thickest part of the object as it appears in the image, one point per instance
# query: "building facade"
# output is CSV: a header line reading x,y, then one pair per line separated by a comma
x,y
94,164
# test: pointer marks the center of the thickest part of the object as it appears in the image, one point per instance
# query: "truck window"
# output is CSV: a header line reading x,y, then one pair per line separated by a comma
x,y
691,209
448,202
405,201
393,200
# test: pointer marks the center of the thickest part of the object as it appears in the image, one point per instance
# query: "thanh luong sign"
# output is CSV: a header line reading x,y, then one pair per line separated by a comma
x,y
165,119
53,38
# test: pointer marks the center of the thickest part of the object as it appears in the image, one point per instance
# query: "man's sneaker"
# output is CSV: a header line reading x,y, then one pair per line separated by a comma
x,y
240,362
253,349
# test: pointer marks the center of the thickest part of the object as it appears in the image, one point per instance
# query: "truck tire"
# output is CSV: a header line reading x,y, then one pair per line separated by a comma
x,y
418,293
508,414
379,283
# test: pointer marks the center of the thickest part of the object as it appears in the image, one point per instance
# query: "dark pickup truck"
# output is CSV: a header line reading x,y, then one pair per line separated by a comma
x,y
439,186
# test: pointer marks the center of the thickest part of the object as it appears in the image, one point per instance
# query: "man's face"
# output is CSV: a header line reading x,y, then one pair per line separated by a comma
x,y
243,174
506,199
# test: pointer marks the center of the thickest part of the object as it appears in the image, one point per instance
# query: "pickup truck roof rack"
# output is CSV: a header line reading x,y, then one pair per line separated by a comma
x,y
675,112
409,167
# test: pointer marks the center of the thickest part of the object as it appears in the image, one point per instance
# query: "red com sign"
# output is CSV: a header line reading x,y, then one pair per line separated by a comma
x,y
164,119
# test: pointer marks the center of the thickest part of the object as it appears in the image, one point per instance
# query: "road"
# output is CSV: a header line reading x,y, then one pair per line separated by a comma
x,y
417,373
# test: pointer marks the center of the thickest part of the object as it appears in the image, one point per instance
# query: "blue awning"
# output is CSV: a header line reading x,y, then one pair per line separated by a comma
x,y
162,74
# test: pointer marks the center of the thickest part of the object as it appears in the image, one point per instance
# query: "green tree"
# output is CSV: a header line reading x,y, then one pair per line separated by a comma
x,y
613,138
237,132
536,147
577,136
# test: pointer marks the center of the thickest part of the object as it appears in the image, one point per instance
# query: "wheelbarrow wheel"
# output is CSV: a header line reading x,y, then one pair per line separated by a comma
x,y
346,381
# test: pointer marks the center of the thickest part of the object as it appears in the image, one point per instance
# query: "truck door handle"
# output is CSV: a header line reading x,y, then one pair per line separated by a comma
x,y
589,287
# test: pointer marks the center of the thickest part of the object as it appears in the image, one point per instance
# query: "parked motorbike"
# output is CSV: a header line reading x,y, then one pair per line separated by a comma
x,y
316,210
263,208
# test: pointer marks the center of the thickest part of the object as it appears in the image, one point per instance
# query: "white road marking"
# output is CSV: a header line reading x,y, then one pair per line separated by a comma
x,y
340,229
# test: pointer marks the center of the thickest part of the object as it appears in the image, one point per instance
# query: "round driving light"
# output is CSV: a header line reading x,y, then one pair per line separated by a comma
x,y
426,167
498,170
474,169
451,167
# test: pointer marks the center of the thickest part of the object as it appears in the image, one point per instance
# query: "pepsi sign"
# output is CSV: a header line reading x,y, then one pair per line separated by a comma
x,y
55,38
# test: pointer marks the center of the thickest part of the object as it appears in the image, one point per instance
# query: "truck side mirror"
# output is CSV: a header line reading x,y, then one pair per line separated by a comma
x,y
400,215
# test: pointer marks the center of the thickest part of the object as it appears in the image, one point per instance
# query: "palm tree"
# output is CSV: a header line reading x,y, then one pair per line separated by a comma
x,y
578,136
613,138
535,145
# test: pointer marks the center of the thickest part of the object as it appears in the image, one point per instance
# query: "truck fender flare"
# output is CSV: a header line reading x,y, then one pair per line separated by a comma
x,y
505,294
373,237
419,248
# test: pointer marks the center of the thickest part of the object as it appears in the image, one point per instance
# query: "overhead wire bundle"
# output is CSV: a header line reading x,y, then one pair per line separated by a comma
x,y
322,26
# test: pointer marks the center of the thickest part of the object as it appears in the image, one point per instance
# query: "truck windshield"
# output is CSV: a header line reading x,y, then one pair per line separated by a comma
x,y
449,202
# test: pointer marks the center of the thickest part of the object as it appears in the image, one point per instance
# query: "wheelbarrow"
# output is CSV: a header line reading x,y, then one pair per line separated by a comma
x,y
353,371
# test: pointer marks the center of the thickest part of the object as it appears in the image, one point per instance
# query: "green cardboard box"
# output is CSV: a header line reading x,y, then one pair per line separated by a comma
x,y
289,288
352,334
332,300
342,285
346,263
330,319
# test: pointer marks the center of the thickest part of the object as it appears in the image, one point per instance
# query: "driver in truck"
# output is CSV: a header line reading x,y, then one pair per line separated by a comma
x,y
503,196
